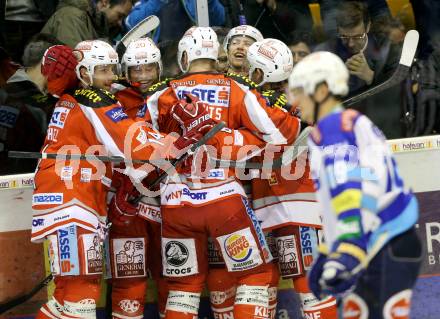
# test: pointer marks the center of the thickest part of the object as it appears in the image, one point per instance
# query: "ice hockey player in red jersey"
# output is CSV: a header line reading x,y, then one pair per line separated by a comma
x,y
215,204
282,201
135,229
236,43
69,200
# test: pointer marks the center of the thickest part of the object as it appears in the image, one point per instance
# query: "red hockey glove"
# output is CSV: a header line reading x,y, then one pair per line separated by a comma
x,y
121,212
192,115
58,66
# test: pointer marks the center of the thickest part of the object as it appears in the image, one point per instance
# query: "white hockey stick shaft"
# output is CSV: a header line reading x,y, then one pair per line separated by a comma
x,y
202,13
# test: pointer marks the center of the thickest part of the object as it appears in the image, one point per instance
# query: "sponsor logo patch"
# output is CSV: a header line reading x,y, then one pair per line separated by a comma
x,y
68,251
93,252
129,257
261,238
179,256
59,117
66,173
86,175
309,243
354,307
117,114
129,306
240,250
212,94
398,306
237,247
47,198
288,255
37,222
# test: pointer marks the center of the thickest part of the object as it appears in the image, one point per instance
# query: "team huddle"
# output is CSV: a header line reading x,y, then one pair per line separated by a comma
x,y
235,231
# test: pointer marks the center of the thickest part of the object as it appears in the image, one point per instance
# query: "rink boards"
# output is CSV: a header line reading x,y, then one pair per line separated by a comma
x,y
419,163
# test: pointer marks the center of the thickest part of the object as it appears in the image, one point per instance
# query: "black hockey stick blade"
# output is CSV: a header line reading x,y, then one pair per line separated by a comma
x,y
140,30
406,59
23,298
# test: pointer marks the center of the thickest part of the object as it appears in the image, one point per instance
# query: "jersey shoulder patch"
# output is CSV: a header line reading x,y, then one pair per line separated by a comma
x,y
94,98
159,86
242,80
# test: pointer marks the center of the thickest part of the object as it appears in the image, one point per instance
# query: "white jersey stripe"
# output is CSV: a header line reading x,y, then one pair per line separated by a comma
x,y
101,133
261,120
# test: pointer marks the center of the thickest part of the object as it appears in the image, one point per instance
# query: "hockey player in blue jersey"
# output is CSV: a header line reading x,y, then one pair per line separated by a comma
x,y
371,255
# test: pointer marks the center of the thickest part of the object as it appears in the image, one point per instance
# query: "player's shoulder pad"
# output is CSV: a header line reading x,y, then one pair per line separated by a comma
x,y
348,119
276,99
94,97
338,127
159,86
242,80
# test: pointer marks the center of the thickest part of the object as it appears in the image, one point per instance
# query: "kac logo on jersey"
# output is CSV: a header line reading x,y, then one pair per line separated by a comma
x,y
237,247
117,114
47,198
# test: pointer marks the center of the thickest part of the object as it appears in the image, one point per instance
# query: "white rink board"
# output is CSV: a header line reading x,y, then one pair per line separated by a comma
x,y
418,160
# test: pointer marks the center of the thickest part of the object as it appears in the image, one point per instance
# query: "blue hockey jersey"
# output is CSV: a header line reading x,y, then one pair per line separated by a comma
x,y
358,184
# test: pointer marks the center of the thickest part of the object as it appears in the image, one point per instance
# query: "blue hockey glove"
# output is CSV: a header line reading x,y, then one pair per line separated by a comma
x,y
332,274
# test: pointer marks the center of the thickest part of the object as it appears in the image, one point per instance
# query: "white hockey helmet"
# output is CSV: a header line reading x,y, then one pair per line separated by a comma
x,y
94,52
317,68
242,30
141,51
198,43
273,57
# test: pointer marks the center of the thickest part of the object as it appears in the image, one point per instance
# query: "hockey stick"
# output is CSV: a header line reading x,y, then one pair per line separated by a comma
x,y
23,298
106,158
103,158
140,30
202,13
406,59
288,156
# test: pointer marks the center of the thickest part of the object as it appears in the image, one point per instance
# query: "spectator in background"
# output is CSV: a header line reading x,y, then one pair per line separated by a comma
x,y
300,43
377,9
23,19
274,18
178,15
371,58
79,20
7,67
26,107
